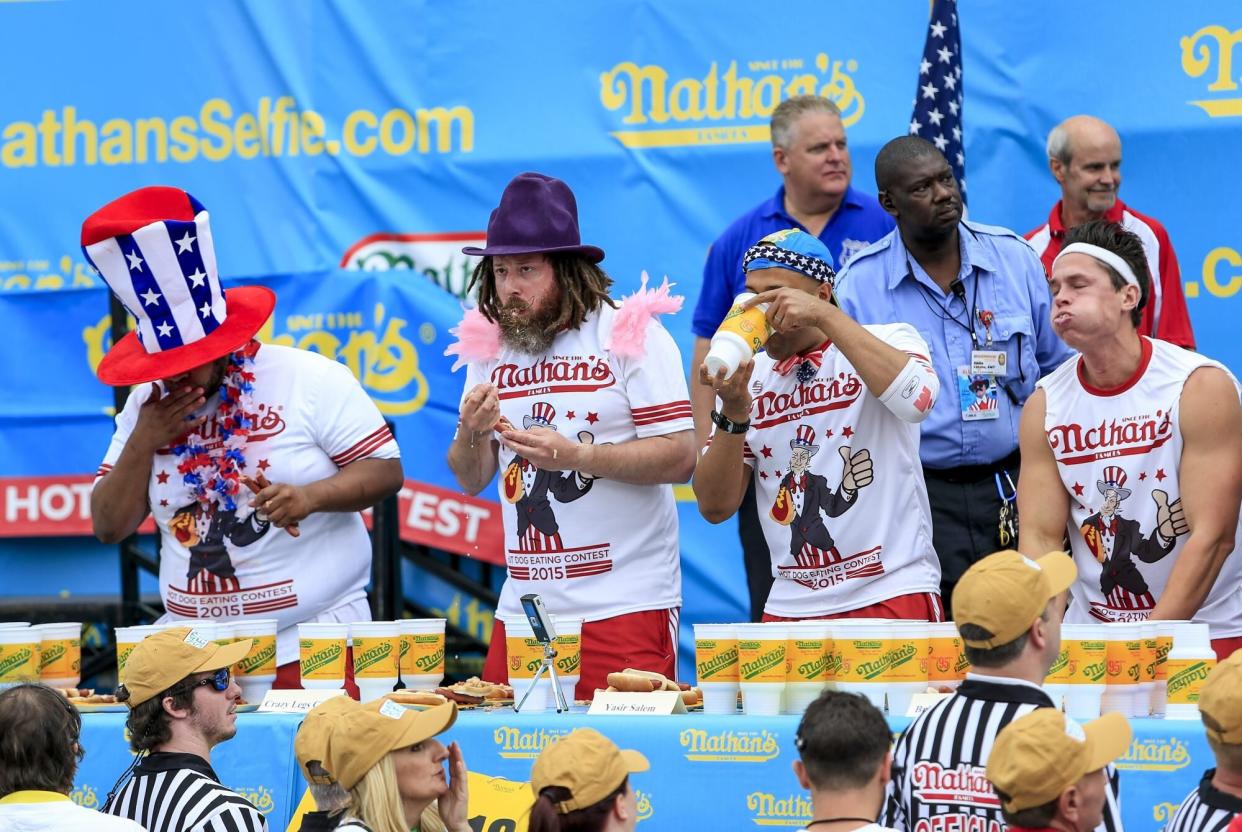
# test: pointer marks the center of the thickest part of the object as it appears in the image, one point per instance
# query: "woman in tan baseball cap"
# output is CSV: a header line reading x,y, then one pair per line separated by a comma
x,y
582,784
379,768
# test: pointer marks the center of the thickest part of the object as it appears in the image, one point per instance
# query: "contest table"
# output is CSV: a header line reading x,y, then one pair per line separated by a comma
x,y
708,772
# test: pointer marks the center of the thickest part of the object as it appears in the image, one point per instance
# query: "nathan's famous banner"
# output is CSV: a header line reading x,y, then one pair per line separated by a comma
x,y
348,151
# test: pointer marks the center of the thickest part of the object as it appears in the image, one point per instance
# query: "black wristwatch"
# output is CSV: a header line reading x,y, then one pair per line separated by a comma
x,y
728,425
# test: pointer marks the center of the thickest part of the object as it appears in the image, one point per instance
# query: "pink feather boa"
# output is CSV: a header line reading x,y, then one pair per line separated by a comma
x,y
478,339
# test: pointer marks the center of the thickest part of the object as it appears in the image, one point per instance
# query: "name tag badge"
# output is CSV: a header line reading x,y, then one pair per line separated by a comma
x,y
977,394
989,362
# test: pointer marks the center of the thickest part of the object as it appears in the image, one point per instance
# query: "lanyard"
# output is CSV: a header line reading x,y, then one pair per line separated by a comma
x,y
958,291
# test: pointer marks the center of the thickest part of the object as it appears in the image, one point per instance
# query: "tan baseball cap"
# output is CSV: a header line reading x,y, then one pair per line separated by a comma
x,y
348,739
1220,701
162,659
1040,755
588,764
1006,591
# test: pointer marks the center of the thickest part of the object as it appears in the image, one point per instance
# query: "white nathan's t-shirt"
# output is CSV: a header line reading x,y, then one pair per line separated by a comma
x,y
1119,455
834,550
311,418
592,548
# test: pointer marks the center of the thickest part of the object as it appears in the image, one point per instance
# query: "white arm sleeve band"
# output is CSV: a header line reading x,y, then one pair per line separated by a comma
x,y
913,393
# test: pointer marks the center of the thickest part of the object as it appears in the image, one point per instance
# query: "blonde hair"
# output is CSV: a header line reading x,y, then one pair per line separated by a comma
x,y
375,801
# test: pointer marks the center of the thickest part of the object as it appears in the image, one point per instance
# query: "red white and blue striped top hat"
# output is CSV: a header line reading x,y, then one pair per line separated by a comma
x,y
541,415
1113,480
804,439
153,248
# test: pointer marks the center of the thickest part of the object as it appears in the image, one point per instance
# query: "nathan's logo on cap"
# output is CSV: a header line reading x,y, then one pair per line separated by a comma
x,y
768,809
729,746
517,744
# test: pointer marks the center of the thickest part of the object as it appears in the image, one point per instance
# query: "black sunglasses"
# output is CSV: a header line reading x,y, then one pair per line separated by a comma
x,y
218,680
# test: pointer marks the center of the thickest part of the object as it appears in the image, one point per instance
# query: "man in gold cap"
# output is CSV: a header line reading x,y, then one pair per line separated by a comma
x,y
1008,610
1218,798
1049,772
182,701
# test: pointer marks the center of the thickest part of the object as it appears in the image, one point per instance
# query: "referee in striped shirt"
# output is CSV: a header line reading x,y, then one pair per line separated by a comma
x,y
1008,610
182,701
1218,799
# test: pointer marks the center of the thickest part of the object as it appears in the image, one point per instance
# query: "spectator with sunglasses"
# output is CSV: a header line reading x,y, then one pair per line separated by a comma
x,y
182,702
39,753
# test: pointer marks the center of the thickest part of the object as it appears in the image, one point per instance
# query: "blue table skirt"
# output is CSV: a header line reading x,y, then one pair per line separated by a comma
x,y
708,772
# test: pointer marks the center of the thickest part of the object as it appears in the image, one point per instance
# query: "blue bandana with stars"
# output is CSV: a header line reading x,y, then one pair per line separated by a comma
x,y
794,250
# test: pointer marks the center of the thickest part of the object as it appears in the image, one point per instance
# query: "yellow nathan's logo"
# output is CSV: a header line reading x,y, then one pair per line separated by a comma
x,y
85,797
1208,54
1222,274
1164,812
729,105
518,744
376,348
767,809
729,746
645,809
260,796
1156,754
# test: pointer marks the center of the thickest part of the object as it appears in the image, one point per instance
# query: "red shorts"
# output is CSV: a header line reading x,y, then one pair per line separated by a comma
x,y
919,606
1225,647
641,640
289,676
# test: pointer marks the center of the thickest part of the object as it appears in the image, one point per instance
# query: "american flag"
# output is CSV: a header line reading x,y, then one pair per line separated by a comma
x,y
938,102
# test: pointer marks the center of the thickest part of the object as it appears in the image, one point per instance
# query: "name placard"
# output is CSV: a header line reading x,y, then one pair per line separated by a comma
x,y
922,701
295,701
622,703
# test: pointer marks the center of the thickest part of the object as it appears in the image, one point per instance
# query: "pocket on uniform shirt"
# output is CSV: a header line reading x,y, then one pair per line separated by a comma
x,y
1015,334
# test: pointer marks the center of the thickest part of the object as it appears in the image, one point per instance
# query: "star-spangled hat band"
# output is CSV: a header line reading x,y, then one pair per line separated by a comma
x,y
1105,256
153,248
792,250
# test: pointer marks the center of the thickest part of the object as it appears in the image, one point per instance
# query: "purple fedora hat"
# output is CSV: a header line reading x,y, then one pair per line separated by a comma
x,y
536,214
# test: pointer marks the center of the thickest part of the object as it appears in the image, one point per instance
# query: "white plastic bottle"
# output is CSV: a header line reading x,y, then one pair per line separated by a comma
x,y
741,334
1187,667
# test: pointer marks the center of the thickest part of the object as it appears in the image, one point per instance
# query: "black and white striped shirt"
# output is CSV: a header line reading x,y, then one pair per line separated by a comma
x,y
940,762
173,792
324,822
1206,809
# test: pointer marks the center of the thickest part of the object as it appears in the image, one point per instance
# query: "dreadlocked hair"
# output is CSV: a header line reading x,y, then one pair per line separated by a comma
x,y
584,288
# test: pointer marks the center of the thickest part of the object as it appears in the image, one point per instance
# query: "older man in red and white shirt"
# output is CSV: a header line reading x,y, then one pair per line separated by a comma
x,y
1084,154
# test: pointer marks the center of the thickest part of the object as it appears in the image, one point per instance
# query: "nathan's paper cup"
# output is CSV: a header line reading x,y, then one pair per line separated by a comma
x,y
568,654
1085,647
741,334
807,649
60,654
761,650
421,665
946,657
321,655
376,647
864,644
907,670
1159,688
715,664
1190,661
127,638
523,656
257,671
19,656
1141,704
1124,666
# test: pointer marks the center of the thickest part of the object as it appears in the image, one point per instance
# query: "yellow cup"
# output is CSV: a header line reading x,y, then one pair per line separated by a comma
x,y
19,655
761,660
946,661
715,659
1186,678
1124,659
375,657
864,658
806,658
321,654
749,324
569,654
60,653
525,654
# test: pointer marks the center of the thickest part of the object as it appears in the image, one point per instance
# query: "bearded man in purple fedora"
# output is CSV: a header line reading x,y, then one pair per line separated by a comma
x,y
546,334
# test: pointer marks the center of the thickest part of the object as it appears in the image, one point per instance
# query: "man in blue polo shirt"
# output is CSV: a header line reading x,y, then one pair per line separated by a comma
x,y
979,297
811,154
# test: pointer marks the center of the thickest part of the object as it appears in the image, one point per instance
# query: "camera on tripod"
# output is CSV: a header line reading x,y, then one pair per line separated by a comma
x,y
544,628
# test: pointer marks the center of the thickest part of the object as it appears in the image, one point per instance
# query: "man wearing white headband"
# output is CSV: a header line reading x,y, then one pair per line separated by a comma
x,y
1138,420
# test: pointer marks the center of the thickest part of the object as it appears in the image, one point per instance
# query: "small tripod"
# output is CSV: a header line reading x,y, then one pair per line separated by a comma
x,y
548,665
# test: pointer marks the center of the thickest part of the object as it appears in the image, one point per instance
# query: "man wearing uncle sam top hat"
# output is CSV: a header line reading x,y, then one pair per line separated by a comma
x,y
826,383
1133,447
254,460
598,390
